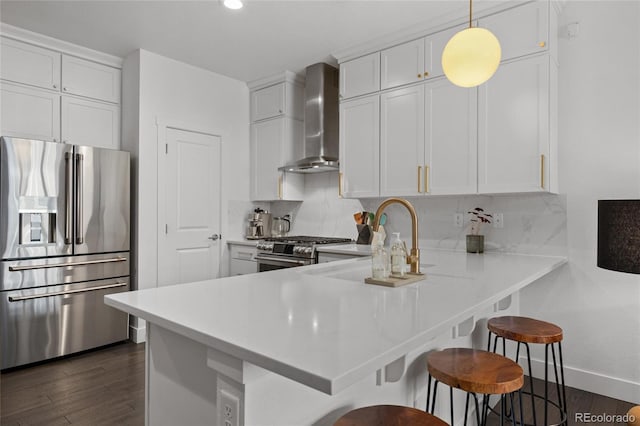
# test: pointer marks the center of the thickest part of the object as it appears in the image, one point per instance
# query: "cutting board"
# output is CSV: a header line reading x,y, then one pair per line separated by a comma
x,y
409,278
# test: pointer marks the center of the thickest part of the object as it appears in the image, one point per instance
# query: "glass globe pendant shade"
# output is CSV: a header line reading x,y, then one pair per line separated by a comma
x,y
471,57
233,4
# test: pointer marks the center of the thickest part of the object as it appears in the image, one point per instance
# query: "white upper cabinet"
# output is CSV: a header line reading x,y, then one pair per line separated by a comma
x,y
282,99
267,102
513,128
402,126
521,30
276,137
28,64
433,48
274,143
402,64
86,122
450,163
360,147
428,140
439,139
86,78
416,60
360,76
29,113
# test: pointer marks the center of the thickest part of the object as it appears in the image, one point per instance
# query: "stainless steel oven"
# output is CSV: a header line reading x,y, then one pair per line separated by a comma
x,y
270,263
289,252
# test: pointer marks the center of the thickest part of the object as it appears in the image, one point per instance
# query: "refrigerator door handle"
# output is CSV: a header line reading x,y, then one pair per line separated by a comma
x,y
63,293
79,190
68,197
16,268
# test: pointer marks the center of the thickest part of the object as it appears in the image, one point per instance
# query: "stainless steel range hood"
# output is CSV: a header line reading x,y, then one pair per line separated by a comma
x,y
320,151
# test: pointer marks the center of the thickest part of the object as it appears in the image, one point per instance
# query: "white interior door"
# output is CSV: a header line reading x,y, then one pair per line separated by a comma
x,y
188,208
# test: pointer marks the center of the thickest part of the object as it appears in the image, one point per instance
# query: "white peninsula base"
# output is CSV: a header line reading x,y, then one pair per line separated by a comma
x,y
303,346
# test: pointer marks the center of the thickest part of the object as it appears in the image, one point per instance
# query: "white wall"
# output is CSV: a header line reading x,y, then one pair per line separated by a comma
x,y
599,140
173,93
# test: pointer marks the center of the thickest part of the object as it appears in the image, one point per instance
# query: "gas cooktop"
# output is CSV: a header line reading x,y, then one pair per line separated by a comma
x,y
308,239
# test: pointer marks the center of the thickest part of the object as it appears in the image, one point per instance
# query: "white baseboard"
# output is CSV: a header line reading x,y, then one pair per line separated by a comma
x,y
138,334
589,381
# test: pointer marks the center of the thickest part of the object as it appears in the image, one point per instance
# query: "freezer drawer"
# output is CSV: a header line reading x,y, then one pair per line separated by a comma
x,y
23,274
43,323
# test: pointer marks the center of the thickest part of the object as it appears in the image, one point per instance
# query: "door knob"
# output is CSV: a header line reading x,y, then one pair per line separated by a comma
x,y
215,237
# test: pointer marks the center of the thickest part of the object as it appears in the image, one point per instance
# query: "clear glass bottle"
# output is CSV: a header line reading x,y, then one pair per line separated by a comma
x,y
398,256
379,261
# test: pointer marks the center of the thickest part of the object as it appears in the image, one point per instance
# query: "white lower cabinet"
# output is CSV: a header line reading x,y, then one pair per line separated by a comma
x,y
242,259
30,113
274,143
92,123
514,134
360,147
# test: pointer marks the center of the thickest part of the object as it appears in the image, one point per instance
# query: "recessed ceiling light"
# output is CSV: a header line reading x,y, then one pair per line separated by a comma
x,y
233,4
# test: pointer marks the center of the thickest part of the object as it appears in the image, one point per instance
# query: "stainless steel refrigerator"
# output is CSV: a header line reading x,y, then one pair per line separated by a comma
x,y
64,245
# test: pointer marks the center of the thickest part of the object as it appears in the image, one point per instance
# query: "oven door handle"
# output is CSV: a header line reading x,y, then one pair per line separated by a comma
x,y
277,259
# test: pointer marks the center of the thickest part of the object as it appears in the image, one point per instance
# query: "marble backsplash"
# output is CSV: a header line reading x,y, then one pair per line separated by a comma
x,y
533,223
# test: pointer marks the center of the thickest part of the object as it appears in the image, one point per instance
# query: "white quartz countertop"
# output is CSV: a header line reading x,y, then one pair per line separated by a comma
x,y
320,325
348,249
249,243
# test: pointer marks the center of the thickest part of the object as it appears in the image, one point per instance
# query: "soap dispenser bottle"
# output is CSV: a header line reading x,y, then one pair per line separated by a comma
x,y
379,259
398,256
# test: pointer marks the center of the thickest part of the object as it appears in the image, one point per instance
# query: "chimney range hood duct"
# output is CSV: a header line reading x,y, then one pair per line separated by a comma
x,y
320,150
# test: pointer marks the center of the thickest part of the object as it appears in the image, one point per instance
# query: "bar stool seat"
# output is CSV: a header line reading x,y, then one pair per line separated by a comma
x,y
388,415
523,330
474,371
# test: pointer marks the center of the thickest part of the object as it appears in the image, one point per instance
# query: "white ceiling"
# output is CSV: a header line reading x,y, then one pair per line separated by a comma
x,y
262,39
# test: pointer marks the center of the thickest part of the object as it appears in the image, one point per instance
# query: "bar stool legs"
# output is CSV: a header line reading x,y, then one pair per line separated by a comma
x,y
524,331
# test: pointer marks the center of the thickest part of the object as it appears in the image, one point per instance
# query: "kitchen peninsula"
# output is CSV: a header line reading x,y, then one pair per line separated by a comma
x,y
304,345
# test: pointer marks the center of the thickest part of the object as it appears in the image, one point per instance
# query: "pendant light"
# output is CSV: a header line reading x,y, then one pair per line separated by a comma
x,y
233,4
471,56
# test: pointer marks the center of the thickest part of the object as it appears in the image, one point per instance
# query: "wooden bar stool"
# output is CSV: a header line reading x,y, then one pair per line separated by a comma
x,y
388,415
528,330
475,371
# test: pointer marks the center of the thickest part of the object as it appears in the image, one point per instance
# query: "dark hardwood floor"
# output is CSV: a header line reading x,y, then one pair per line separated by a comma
x,y
101,387
578,401
106,387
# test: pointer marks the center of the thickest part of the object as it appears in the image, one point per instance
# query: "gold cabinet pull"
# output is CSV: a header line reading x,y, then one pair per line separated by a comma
x,y
340,184
542,44
419,75
280,187
419,178
542,171
426,74
426,179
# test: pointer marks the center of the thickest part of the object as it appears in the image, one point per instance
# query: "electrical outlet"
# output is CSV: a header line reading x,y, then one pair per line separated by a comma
x,y
498,220
230,406
458,220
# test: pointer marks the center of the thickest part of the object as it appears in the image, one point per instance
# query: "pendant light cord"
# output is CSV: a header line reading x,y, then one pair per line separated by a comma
x,y
470,11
